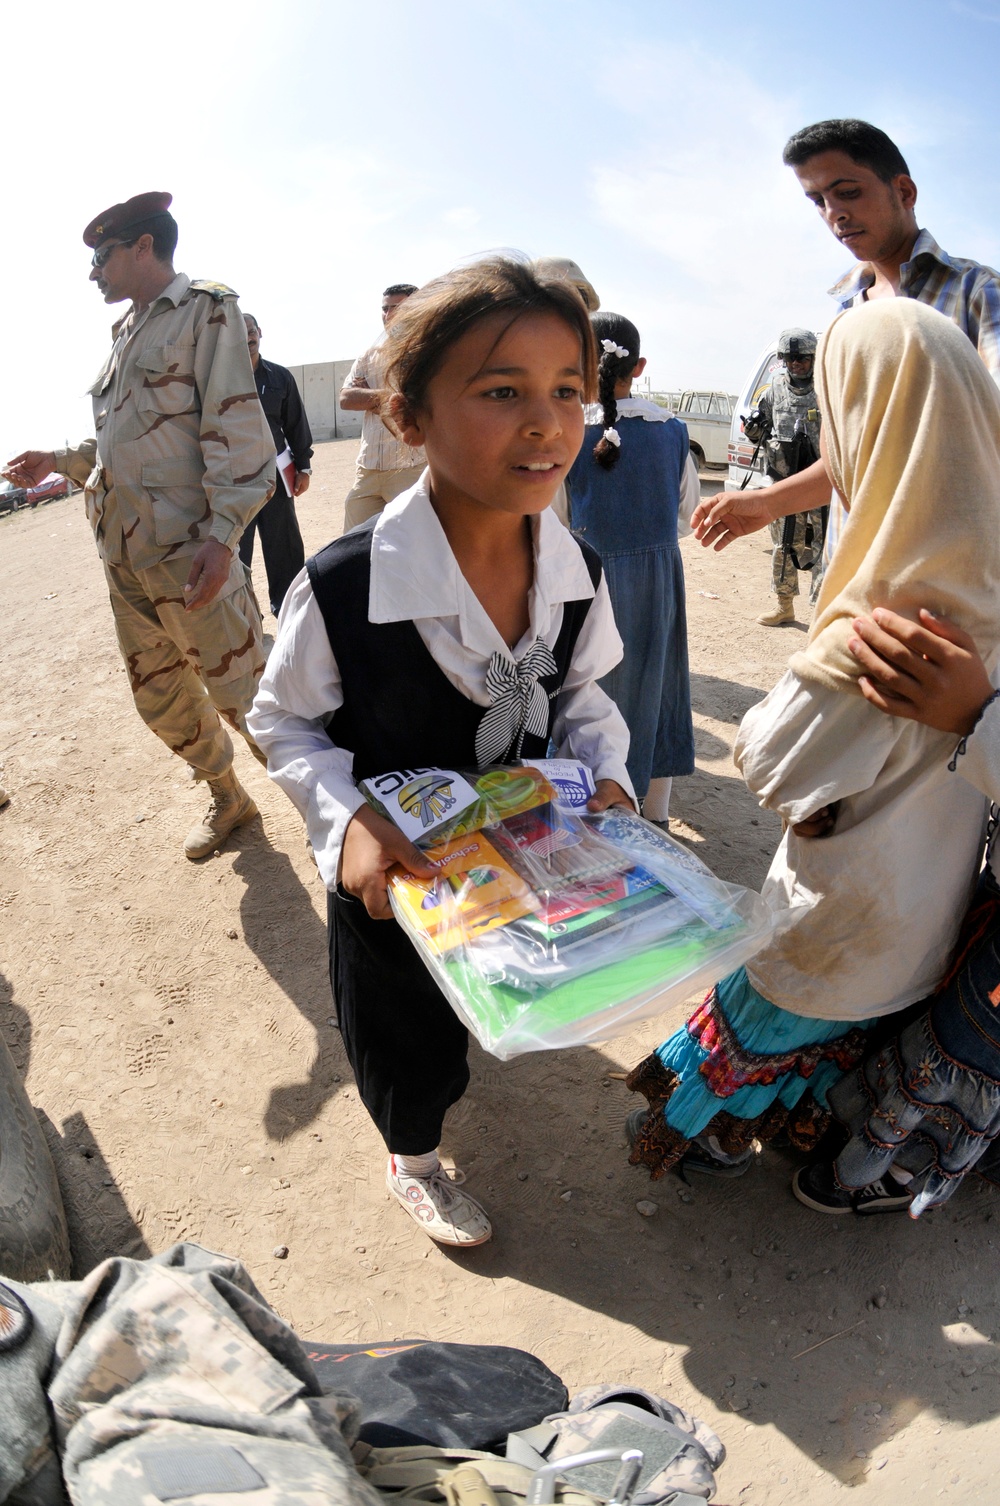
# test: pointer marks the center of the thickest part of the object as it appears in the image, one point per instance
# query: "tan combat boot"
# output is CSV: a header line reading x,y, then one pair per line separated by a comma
x,y
782,613
231,807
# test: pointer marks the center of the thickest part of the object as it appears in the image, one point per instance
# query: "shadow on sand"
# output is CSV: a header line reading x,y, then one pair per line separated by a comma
x,y
835,1331
282,929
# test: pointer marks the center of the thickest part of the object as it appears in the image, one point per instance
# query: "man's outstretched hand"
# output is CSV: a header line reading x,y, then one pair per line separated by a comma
x,y
727,516
30,467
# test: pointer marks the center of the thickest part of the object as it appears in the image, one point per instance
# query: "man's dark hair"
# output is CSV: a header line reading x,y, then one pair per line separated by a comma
x,y
865,144
400,290
163,229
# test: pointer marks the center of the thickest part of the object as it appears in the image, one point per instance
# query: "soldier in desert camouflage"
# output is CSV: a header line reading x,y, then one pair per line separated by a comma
x,y
182,461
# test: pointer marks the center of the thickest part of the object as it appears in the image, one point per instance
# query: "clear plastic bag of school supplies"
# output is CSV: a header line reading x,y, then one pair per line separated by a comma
x,y
546,926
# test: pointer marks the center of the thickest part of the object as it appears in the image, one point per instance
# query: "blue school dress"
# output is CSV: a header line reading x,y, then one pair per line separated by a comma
x,y
629,515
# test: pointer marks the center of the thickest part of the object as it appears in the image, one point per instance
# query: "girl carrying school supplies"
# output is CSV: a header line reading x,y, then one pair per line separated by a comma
x,y
633,480
463,627
882,863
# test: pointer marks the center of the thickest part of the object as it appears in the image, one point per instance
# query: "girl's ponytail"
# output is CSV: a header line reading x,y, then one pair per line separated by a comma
x,y
618,351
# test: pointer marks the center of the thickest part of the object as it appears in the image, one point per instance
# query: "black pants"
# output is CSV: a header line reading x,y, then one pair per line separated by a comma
x,y
406,1045
281,541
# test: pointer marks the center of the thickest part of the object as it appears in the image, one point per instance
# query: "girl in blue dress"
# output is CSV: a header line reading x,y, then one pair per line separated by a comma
x,y
632,478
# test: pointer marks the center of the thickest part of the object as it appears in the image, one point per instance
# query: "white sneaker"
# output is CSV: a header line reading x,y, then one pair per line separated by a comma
x,y
443,1212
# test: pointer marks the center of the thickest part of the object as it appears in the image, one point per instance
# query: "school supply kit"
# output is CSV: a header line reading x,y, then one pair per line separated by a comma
x,y
547,925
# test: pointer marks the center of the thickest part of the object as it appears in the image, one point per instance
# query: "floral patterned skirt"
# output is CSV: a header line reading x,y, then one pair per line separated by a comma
x,y
928,1102
741,1070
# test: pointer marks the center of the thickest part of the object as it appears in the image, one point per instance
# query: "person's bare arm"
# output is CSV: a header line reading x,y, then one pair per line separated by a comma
x,y
360,399
928,672
732,515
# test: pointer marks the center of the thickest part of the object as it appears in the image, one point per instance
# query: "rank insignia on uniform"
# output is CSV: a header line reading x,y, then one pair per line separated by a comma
x,y
218,290
15,1319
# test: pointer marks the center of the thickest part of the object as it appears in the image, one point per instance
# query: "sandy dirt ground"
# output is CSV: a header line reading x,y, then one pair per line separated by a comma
x,y
174,1024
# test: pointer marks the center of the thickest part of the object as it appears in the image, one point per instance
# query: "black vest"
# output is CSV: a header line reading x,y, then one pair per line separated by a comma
x,y
400,710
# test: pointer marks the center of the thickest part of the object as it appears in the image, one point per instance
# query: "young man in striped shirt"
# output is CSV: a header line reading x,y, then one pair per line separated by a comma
x,y
860,183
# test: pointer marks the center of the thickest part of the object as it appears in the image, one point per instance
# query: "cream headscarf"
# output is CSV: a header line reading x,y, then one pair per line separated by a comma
x,y
911,423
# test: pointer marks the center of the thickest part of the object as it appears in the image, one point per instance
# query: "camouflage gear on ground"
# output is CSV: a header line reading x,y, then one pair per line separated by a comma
x,y
680,1452
167,1379
188,669
806,546
422,1474
183,454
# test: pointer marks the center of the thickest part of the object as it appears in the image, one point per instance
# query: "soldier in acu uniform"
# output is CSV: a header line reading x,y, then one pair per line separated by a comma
x,y
787,422
182,461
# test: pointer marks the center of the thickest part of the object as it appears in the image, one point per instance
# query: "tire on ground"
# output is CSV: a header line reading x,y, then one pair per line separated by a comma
x,y
34,1243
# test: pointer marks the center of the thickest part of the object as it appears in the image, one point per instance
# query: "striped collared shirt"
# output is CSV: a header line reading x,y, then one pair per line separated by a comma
x,y
380,449
964,291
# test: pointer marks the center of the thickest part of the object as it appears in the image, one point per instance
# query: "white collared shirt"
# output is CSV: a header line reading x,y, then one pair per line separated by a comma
x,y
415,577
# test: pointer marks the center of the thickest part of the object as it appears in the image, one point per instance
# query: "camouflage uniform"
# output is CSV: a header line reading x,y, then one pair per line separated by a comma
x,y
183,454
165,1379
791,413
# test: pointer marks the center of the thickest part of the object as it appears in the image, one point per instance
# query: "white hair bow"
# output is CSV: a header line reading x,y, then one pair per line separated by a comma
x,y
611,349
613,437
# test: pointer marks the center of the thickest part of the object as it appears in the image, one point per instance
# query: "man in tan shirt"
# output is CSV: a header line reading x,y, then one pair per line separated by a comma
x,y
386,466
182,461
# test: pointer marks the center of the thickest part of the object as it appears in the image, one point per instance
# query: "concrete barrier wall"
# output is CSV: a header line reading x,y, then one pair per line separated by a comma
x,y
320,385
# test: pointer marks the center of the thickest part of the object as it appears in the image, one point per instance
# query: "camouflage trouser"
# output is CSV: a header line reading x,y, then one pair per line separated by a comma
x,y
162,1380
784,575
188,669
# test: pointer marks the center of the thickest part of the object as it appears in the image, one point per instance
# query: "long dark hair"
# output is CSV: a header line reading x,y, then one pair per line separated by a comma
x,y
612,369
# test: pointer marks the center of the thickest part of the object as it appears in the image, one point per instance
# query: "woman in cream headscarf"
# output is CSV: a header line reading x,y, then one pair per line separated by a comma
x,y
881,843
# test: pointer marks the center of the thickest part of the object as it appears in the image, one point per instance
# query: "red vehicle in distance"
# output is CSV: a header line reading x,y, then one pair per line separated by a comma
x,y
50,490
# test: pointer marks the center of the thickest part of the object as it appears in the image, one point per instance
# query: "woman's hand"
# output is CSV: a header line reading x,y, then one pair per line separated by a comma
x,y
929,672
609,792
372,845
820,823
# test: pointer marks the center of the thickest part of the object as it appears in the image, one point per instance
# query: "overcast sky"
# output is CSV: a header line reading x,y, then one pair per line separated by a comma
x,y
318,151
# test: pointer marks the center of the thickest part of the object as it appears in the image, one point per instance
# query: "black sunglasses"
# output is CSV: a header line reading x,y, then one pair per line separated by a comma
x,y
101,255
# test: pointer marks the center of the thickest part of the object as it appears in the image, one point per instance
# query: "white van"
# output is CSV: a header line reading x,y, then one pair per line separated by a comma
x,y
745,472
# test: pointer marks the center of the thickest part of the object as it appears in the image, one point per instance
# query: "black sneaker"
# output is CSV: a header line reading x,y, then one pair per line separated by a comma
x,y
697,1159
817,1188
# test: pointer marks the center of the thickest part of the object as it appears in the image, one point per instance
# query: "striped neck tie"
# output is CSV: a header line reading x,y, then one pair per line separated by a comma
x,y
518,704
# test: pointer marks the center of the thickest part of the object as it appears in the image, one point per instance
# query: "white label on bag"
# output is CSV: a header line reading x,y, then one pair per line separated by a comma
x,y
573,781
419,800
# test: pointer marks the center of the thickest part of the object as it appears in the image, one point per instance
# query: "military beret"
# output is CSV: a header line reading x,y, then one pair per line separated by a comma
x,y
121,218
